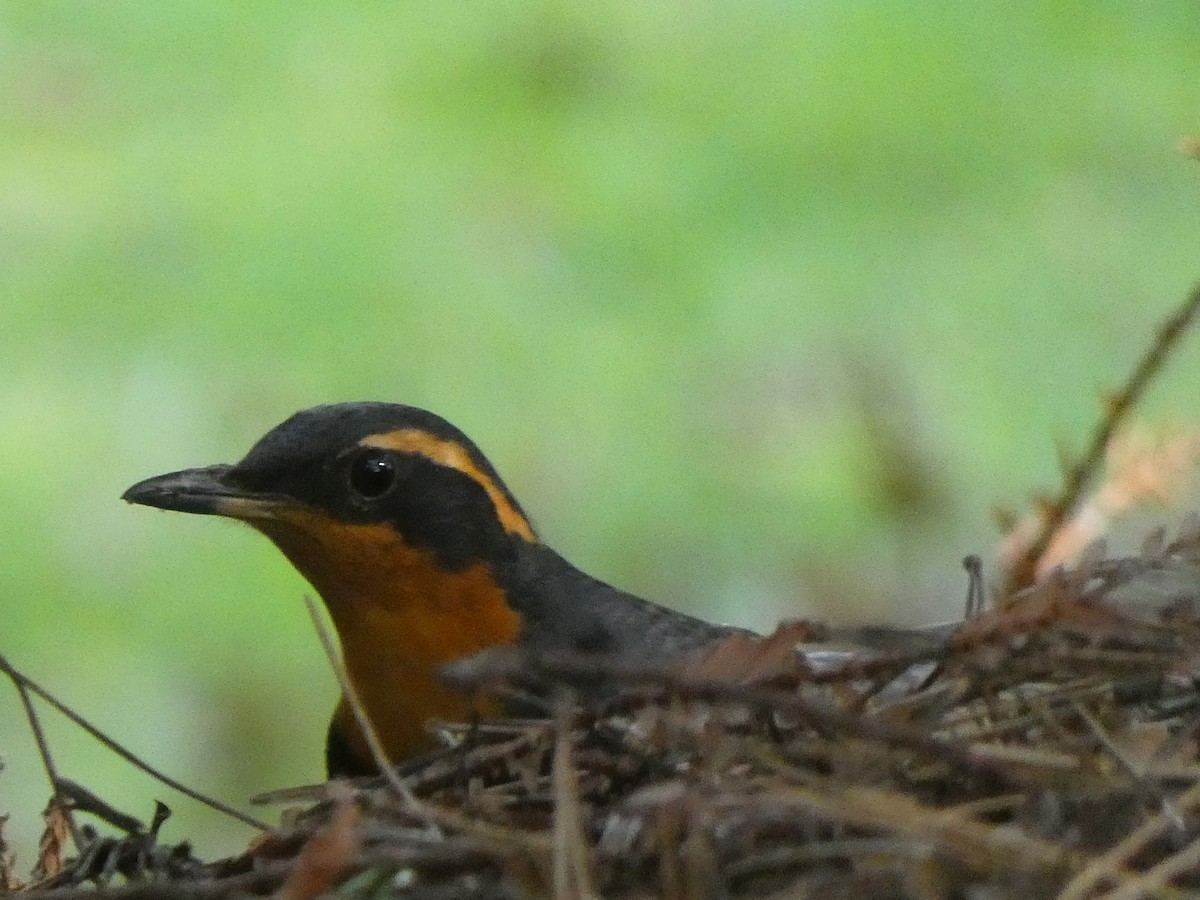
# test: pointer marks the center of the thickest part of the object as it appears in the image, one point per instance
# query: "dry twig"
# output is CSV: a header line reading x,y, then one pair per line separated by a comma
x,y
26,685
1021,571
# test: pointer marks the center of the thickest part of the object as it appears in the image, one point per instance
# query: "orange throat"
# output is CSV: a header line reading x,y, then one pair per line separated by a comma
x,y
400,618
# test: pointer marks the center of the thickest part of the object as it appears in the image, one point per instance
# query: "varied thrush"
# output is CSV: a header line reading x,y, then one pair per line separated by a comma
x,y
422,556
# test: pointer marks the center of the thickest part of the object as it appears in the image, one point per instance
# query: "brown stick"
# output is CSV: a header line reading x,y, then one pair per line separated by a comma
x,y
24,683
378,754
1022,572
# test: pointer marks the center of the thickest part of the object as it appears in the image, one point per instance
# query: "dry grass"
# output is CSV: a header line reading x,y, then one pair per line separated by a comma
x,y
1045,747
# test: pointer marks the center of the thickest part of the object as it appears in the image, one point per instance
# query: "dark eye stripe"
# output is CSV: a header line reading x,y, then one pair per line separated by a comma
x,y
453,456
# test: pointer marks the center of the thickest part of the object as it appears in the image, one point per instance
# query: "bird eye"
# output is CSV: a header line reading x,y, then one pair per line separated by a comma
x,y
372,475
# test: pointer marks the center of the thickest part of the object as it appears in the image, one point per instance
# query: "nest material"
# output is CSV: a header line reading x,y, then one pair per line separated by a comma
x,y
1045,747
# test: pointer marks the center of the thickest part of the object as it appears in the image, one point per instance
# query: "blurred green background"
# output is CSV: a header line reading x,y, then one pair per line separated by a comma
x,y
760,308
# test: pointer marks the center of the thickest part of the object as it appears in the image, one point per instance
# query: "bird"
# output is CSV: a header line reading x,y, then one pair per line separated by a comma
x,y
422,557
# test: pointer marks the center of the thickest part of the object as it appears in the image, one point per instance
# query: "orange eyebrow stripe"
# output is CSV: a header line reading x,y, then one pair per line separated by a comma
x,y
449,454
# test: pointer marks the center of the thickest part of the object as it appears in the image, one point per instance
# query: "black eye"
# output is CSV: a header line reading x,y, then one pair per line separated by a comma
x,y
372,475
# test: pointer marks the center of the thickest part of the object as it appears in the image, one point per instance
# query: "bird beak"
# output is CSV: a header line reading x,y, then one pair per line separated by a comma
x,y
206,491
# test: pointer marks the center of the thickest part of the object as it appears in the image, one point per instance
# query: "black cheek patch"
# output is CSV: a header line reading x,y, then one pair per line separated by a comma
x,y
449,514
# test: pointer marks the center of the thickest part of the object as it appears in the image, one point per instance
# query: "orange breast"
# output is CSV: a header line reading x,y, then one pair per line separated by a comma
x,y
399,618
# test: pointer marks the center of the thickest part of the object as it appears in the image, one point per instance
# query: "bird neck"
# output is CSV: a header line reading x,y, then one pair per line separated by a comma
x,y
400,617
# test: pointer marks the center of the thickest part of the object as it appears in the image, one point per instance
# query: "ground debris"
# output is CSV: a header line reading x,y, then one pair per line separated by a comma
x,y
1047,746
